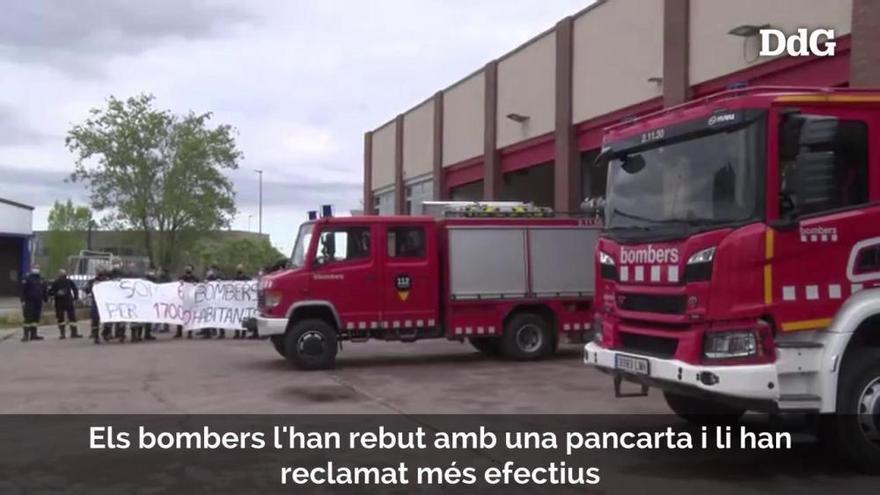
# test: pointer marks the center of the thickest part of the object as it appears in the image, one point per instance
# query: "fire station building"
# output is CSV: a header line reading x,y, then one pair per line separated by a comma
x,y
528,125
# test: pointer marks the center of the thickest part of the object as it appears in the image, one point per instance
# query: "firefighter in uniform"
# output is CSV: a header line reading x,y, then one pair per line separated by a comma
x,y
101,276
65,294
147,328
187,277
33,295
213,275
118,328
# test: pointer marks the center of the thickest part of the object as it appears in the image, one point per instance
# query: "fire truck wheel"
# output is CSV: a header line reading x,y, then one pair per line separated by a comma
x,y
527,337
489,346
278,343
311,345
856,426
702,411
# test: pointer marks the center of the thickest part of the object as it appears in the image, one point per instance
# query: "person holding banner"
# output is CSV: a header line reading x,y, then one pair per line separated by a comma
x,y
213,275
65,294
101,276
190,278
118,328
240,275
33,295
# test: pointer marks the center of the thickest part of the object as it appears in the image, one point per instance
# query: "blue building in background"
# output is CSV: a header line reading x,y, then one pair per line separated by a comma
x,y
16,233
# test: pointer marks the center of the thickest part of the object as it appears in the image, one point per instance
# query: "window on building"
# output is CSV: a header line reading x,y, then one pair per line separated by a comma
x,y
343,244
849,145
406,242
593,177
383,202
467,192
534,184
417,192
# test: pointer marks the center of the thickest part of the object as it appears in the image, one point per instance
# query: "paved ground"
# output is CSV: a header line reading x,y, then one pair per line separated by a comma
x,y
183,376
229,376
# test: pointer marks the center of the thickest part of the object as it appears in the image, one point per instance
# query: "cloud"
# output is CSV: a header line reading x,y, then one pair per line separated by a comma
x,y
15,131
301,81
38,187
74,36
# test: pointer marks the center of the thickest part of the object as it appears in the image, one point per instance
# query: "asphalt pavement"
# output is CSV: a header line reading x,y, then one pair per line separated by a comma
x,y
248,376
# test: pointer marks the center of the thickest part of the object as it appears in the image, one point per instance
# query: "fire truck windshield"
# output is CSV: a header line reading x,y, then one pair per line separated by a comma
x,y
303,239
688,184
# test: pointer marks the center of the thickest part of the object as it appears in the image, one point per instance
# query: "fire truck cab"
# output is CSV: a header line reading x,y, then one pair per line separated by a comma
x,y
739,258
510,281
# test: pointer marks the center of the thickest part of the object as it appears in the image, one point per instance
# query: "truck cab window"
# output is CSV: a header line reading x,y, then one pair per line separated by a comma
x,y
850,179
343,244
406,242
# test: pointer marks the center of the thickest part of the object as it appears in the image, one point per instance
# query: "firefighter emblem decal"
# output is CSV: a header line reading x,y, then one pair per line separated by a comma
x,y
403,284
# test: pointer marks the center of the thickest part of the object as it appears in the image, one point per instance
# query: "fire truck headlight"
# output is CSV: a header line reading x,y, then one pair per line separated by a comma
x,y
727,345
704,256
608,268
271,299
699,266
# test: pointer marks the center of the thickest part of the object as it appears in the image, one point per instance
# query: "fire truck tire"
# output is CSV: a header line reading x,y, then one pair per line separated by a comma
x,y
700,411
855,429
311,345
278,343
527,337
488,346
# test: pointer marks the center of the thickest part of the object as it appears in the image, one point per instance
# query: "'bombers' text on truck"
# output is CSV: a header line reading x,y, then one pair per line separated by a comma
x,y
739,258
510,285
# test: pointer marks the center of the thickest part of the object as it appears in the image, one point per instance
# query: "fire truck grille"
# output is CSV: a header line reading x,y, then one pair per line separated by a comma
x,y
651,303
662,347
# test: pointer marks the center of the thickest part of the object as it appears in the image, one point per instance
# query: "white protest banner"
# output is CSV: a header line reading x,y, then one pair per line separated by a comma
x,y
217,304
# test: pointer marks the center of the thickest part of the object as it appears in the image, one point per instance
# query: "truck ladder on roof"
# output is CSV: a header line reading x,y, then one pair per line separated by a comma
x,y
485,209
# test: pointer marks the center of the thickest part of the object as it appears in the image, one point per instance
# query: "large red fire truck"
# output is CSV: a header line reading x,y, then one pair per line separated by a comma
x,y
508,283
741,245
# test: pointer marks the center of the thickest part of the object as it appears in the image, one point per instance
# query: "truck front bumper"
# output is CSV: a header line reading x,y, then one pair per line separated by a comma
x,y
755,382
271,326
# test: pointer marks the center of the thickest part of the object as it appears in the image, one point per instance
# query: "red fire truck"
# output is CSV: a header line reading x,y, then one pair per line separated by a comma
x,y
509,284
741,245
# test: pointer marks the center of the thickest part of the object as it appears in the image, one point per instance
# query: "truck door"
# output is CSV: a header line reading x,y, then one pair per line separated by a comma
x,y
825,176
345,273
410,280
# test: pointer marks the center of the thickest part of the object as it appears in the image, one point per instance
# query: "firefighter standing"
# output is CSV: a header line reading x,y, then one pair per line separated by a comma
x,y
33,295
101,276
147,328
65,294
162,277
190,278
213,275
118,328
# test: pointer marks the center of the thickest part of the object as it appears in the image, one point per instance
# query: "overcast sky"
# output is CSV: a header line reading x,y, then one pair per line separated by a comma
x,y
301,80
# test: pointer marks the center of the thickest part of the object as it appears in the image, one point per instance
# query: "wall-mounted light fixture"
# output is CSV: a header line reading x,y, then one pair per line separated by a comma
x,y
516,117
747,30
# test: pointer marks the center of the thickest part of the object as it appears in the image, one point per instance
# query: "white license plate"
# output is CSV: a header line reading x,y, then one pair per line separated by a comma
x,y
632,364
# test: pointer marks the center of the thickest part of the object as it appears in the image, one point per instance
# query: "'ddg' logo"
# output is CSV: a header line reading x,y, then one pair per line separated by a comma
x,y
403,284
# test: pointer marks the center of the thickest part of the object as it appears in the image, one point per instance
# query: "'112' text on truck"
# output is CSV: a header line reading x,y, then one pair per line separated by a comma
x,y
510,284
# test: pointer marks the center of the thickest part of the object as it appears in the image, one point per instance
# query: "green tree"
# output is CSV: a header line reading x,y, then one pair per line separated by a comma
x,y
254,254
68,228
153,171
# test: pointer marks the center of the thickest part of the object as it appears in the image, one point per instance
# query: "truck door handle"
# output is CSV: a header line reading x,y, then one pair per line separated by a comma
x,y
371,277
